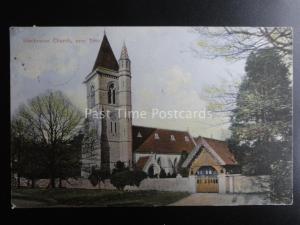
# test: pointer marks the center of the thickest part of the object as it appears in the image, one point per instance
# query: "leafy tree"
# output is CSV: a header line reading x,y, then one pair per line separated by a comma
x,y
52,121
260,105
261,123
26,156
281,181
70,159
18,146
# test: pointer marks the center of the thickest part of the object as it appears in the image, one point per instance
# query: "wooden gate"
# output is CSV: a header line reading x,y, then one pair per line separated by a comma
x,y
207,180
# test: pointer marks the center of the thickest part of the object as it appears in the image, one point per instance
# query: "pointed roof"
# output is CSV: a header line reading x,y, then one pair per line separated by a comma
x,y
106,57
220,147
140,164
124,53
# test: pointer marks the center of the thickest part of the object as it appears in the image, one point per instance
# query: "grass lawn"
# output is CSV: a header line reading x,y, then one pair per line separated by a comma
x,y
25,197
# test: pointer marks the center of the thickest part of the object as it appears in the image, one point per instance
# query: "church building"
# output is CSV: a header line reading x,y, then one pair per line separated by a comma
x,y
108,89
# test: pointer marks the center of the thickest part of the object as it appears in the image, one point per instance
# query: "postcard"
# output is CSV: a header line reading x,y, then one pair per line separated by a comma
x,y
151,116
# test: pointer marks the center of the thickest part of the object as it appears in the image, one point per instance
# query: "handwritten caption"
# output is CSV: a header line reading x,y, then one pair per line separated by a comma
x,y
61,41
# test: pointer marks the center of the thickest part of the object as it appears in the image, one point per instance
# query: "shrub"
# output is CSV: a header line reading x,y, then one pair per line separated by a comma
x,y
151,171
171,175
120,167
162,173
138,176
121,179
184,172
281,182
127,177
98,175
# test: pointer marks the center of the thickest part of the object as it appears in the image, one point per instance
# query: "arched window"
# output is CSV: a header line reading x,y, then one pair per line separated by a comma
x,y
111,94
92,93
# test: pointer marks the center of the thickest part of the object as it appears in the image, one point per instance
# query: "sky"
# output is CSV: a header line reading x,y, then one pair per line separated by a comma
x,y
166,74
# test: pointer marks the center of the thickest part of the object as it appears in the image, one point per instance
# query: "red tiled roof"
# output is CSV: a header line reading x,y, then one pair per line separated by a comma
x,y
164,144
144,132
141,162
221,148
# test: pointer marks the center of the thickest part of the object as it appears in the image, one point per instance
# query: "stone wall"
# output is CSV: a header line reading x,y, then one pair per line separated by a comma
x,y
236,183
186,184
227,184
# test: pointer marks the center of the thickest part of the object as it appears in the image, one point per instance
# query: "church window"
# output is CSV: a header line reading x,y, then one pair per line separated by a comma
x,y
115,127
111,95
172,137
92,90
186,138
114,97
111,127
156,136
139,135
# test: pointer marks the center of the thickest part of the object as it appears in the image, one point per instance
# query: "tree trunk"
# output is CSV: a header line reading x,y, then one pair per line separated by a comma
x,y
32,183
60,183
18,181
52,182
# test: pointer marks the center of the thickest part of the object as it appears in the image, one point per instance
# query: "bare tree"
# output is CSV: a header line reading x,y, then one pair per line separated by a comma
x,y
238,42
90,144
52,120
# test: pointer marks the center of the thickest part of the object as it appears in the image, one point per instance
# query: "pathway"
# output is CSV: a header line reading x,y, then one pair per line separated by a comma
x,y
216,199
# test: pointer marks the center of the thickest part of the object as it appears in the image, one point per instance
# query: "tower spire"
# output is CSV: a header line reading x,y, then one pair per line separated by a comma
x,y
106,57
124,53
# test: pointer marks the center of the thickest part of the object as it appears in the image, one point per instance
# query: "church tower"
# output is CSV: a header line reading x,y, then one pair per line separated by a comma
x,y
125,119
109,91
